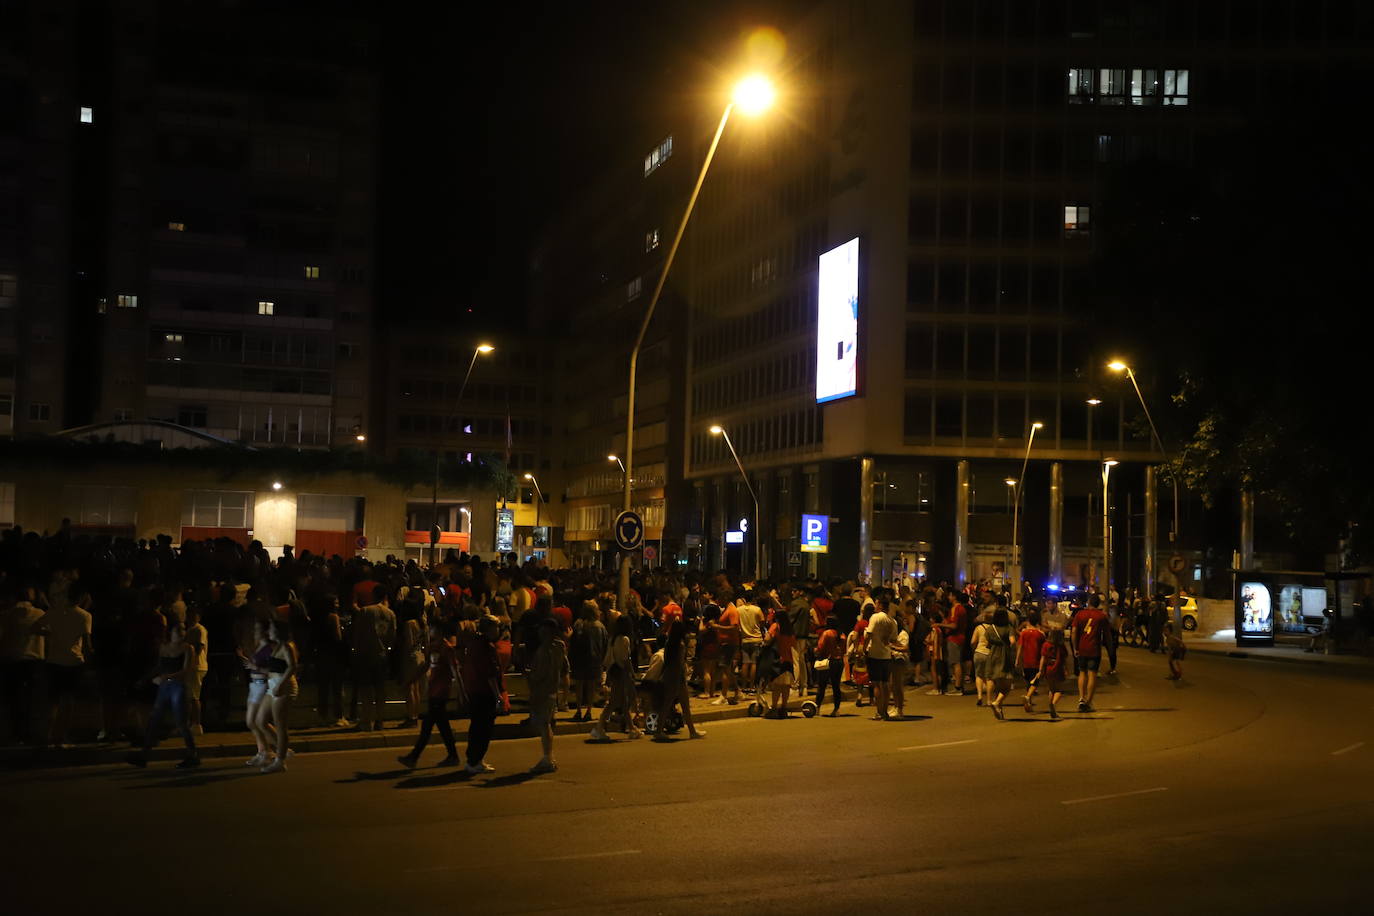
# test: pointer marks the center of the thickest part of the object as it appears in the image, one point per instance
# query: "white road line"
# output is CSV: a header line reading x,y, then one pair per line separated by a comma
x,y
1081,801
1345,750
922,747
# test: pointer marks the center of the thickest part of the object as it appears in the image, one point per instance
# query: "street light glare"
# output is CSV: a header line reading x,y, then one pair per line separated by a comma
x,y
1037,425
612,458
754,94
1093,402
1117,365
716,430
485,348
1111,462
1011,481
276,484
529,476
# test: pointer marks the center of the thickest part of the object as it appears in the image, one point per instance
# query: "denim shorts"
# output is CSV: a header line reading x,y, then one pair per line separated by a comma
x,y
257,690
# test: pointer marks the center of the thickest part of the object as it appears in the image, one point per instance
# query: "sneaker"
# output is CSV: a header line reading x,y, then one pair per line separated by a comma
x,y
598,734
450,761
954,692
480,766
1054,716
544,766
633,733
189,763
734,702
407,761
718,701
1086,707
276,766
934,693
1082,705
257,760
343,723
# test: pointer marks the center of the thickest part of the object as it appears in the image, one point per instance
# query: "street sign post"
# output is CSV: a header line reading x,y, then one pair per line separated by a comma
x,y
815,534
650,554
794,559
629,531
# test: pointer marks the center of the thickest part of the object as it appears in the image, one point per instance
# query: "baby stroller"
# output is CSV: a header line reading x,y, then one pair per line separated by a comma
x,y
653,685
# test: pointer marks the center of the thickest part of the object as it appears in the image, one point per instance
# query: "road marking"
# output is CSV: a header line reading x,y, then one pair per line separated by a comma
x,y
1081,801
1345,750
922,747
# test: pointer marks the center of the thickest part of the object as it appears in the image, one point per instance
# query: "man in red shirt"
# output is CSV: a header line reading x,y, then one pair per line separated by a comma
x,y
1089,629
956,633
485,687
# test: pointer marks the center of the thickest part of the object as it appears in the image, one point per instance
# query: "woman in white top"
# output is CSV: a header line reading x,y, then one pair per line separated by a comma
x,y
282,689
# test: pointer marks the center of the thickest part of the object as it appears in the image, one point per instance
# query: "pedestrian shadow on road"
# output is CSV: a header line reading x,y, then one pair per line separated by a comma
x,y
909,717
1144,709
437,780
361,776
178,779
501,782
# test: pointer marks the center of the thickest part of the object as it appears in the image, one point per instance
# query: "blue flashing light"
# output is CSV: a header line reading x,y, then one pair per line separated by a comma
x,y
1052,587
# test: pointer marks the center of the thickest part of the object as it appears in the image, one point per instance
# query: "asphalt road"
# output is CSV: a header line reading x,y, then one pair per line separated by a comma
x,y
1248,787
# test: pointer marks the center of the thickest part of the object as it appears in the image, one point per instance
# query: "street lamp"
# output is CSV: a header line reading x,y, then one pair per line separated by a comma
x,y
718,430
538,501
1117,365
616,459
1016,505
753,95
1106,530
479,350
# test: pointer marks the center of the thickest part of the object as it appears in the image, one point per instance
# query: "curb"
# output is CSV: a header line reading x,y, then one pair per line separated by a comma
x,y
1365,668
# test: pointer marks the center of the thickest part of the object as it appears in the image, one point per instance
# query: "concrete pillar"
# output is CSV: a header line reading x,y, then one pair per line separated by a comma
x,y
961,522
1056,522
1247,529
763,486
718,526
274,519
866,518
1151,527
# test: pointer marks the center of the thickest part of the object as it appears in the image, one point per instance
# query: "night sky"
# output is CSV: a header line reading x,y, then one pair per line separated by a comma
x,y
489,123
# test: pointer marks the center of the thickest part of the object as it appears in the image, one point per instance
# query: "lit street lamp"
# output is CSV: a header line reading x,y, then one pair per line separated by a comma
x,y
616,459
753,95
439,455
1117,365
538,501
758,532
1106,578
1016,507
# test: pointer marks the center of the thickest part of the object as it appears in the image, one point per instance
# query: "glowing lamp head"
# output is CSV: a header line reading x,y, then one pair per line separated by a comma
x,y
361,437
529,476
1037,425
485,348
276,484
1111,462
1093,402
1117,365
716,430
754,94
612,458
1010,481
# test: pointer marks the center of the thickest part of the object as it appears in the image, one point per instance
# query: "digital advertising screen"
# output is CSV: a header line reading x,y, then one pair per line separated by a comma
x,y
837,323
1289,616
505,530
1256,610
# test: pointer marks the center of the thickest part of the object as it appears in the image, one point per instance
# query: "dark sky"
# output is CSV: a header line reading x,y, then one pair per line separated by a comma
x,y
489,123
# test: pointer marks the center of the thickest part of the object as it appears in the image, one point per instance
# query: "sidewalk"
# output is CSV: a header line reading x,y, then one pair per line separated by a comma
x,y
1225,645
238,743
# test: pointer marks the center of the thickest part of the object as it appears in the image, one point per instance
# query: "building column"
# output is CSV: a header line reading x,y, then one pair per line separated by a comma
x,y
866,519
1056,522
722,492
1151,528
961,523
763,486
1247,529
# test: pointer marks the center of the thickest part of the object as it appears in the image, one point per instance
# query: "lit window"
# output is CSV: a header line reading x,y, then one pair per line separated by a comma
x,y
87,115
177,227
651,240
1175,87
123,414
266,308
312,273
39,412
1076,218
126,302
102,305
658,155
633,289
174,337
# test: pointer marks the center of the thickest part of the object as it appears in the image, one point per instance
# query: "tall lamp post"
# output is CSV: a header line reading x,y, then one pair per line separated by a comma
x,y
1106,580
753,96
718,430
1117,365
439,456
538,503
616,459
1016,486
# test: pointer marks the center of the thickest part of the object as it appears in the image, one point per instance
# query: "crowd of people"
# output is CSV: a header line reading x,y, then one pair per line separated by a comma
x,y
140,630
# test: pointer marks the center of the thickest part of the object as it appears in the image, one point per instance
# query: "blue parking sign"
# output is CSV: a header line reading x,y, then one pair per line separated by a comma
x,y
815,533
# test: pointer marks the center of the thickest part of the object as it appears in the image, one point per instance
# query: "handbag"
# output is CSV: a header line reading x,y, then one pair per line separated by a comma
x,y
821,664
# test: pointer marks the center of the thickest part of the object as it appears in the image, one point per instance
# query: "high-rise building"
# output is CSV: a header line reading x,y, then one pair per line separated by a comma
x,y
211,186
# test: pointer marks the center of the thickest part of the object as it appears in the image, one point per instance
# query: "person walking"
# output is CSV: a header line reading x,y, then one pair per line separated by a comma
x,y
620,679
443,672
1053,660
485,686
1028,644
259,714
1089,630
830,655
176,659
282,688
414,666
549,662
1001,642
877,651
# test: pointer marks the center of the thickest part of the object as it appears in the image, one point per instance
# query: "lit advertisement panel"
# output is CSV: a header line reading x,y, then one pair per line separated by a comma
x,y
837,323
1256,610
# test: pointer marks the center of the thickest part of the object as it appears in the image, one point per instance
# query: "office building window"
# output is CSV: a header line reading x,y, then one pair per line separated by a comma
x,y
126,301
633,289
312,273
123,414
1175,87
217,509
87,115
658,155
176,227
266,308
40,413
1075,219
173,337
1141,86
651,240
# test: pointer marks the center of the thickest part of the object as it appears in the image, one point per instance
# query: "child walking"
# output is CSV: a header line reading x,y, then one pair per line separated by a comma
x,y
1052,657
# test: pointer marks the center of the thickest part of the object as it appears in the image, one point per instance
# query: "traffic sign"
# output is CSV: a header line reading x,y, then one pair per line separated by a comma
x,y
1177,564
650,554
815,535
629,530
794,559
362,542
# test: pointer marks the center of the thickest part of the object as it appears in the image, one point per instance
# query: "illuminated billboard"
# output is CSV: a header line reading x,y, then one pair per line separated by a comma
x,y
505,530
837,323
815,535
1256,611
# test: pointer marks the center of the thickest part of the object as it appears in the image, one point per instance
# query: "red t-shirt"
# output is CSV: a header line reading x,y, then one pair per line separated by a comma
x,y
729,618
442,660
480,666
564,616
957,614
824,607
1030,640
362,592
1088,626
671,611
1054,661
830,646
783,644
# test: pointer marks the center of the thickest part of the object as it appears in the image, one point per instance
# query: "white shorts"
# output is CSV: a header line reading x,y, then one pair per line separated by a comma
x,y
257,690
